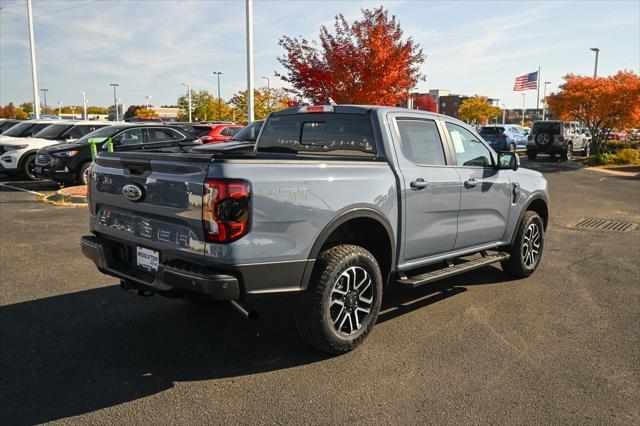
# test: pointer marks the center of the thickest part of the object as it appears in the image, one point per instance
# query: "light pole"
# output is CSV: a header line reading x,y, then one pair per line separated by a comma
x,y
218,73
147,98
249,12
34,71
115,99
504,112
188,86
523,97
268,91
84,105
595,68
59,108
44,94
544,100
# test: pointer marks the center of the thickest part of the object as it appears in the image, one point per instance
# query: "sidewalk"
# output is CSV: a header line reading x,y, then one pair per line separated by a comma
x,y
627,171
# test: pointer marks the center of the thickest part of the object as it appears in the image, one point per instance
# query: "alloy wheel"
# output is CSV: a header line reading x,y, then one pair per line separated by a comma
x,y
351,300
530,251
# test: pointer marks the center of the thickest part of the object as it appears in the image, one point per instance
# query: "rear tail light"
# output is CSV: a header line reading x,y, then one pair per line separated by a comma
x,y
317,108
226,209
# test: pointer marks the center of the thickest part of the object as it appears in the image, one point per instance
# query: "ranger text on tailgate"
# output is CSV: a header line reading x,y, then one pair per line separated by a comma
x,y
335,203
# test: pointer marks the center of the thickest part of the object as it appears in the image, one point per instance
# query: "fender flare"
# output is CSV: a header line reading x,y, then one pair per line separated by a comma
x,y
335,223
533,198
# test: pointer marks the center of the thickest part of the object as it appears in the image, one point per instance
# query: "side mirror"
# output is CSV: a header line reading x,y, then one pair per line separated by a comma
x,y
508,161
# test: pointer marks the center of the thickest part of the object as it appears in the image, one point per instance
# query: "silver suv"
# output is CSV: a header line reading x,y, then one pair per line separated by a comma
x,y
557,137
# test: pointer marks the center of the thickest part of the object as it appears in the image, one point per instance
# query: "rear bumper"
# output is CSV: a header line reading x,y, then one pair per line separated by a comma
x,y
168,279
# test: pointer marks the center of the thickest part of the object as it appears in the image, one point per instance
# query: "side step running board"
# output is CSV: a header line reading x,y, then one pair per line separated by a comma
x,y
449,271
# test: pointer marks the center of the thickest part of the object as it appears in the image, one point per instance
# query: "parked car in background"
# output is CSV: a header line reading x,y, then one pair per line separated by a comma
x,y
215,132
556,137
25,129
69,162
6,124
504,137
619,135
244,140
18,155
144,120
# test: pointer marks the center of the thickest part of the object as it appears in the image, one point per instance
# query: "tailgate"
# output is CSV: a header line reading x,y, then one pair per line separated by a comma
x,y
151,200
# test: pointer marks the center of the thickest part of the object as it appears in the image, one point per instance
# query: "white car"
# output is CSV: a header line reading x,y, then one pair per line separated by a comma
x,y
17,155
26,129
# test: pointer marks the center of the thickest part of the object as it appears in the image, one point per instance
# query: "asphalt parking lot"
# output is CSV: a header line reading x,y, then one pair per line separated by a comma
x,y
559,347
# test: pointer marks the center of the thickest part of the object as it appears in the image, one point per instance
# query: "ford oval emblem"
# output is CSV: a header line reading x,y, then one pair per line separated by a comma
x,y
132,192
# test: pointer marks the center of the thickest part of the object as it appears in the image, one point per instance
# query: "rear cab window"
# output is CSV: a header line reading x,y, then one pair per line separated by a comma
x,y
492,130
334,134
546,126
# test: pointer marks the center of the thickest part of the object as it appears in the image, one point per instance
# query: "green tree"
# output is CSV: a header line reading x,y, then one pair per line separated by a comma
x,y
265,102
204,107
26,107
477,109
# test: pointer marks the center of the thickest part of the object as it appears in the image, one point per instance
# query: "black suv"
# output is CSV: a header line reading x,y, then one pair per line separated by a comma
x,y
557,137
69,162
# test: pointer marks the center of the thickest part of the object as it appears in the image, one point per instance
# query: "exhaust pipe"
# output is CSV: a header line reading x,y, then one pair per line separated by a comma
x,y
249,313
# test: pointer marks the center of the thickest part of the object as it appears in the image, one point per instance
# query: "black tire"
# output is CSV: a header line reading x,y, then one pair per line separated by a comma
x,y
332,274
519,265
81,178
565,155
531,155
28,167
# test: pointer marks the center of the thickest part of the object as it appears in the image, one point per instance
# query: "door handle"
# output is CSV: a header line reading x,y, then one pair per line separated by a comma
x,y
419,184
470,183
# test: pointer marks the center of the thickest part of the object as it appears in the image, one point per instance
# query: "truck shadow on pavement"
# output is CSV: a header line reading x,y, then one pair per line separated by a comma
x,y
75,353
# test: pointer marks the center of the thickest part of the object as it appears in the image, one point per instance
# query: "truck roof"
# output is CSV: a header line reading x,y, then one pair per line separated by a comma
x,y
364,109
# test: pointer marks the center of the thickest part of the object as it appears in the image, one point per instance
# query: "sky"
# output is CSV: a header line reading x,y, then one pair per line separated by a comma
x,y
151,47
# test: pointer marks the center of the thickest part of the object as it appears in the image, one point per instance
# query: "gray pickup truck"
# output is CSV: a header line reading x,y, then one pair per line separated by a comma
x,y
335,203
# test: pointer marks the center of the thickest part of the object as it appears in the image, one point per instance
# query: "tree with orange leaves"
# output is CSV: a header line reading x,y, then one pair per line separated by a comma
x,y
425,103
602,104
367,62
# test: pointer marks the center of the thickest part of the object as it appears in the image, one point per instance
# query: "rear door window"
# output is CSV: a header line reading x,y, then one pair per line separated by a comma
x,y
420,142
129,137
492,130
319,134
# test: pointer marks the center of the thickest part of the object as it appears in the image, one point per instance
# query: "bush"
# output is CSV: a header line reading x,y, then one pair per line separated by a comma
x,y
629,156
624,156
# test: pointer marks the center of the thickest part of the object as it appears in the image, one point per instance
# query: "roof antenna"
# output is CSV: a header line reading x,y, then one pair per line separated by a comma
x,y
328,100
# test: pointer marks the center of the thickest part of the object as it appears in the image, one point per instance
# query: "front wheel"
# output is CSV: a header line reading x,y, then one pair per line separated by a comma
x,y
83,173
343,300
566,154
526,251
29,167
587,150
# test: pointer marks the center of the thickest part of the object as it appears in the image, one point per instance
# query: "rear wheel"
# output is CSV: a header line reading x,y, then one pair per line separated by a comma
x,y
567,153
343,300
29,166
526,251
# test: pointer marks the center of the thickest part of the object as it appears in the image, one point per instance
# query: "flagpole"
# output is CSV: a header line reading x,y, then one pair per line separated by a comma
x,y
538,98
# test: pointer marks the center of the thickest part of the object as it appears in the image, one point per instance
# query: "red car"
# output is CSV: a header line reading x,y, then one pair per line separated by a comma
x,y
212,133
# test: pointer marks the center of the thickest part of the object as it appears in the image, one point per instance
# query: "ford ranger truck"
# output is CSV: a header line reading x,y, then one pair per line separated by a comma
x,y
335,202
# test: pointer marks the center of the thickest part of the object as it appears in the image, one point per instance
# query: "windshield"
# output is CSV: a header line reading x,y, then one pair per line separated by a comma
x,y
25,129
102,134
53,132
491,130
249,133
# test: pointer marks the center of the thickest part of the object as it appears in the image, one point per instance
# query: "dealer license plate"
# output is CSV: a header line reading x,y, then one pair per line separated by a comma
x,y
147,258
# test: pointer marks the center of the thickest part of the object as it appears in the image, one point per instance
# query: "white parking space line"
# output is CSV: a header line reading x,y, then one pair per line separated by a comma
x,y
20,189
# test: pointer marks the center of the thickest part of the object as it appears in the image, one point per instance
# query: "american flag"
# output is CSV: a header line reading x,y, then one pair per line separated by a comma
x,y
526,82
